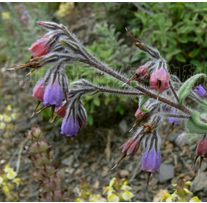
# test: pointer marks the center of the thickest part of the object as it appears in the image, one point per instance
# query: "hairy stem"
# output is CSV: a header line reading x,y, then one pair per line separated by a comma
x,y
173,90
101,89
173,115
94,62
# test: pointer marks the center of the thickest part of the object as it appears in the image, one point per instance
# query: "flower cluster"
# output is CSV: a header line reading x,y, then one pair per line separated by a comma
x,y
8,181
118,191
161,95
7,117
181,193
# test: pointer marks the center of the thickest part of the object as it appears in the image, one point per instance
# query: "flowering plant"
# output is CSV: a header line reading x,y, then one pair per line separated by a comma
x,y
161,94
8,181
118,190
181,193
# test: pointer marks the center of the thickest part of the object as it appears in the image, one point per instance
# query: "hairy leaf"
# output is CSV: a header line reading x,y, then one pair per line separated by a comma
x,y
142,100
194,124
187,86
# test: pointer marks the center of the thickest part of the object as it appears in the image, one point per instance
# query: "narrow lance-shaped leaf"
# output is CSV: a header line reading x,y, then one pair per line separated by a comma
x,y
203,104
194,124
142,100
187,87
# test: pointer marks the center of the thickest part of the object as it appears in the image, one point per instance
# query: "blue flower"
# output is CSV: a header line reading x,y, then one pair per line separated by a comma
x,y
200,91
53,95
69,127
151,160
174,119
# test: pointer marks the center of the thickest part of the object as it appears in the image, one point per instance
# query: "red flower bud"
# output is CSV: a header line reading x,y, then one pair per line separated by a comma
x,y
159,80
201,149
130,147
39,47
142,73
39,90
138,112
61,111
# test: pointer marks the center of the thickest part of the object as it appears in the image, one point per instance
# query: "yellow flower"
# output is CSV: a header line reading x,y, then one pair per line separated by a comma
x,y
195,199
189,183
1,180
125,186
127,196
2,126
187,191
7,118
94,198
11,174
79,200
6,190
1,117
9,107
65,9
14,116
112,182
113,198
5,16
17,181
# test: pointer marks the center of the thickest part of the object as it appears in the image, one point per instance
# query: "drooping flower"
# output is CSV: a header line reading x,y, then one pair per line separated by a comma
x,y
201,149
130,147
174,120
53,95
39,47
69,126
159,80
39,90
142,72
151,160
200,91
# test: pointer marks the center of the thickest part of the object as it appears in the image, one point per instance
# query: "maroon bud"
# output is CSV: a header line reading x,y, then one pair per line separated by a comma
x,y
159,80
39,90
130,147
61,111
201,149
138,112
142,73
39,47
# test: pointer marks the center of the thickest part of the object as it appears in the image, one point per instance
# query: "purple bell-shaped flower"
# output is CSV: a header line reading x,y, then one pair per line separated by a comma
x,y
53,96
200,91
69,127
151,161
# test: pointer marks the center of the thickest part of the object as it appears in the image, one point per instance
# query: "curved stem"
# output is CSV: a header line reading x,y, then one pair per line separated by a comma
x,y
94,62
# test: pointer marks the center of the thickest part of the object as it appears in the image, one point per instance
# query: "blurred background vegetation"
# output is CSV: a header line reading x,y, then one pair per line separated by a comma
x,y
177,30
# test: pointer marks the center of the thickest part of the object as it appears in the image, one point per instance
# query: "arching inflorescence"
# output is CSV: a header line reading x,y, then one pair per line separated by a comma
x,y
161,95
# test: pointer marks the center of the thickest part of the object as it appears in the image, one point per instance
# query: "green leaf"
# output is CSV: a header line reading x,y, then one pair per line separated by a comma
x,y
142,100
96,101
193,53
181,58
187,86
204,103
194,124
90,119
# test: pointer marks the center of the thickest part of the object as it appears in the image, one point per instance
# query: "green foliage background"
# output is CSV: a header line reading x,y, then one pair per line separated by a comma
x,y
177,30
